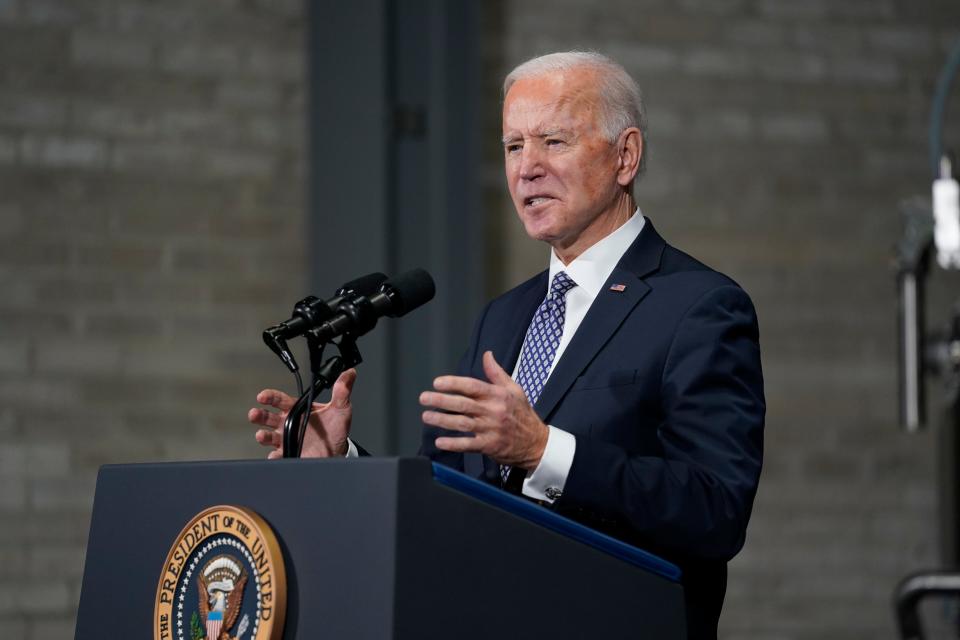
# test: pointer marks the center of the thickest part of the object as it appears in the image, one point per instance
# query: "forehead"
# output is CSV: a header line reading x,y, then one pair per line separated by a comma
x,y
562,99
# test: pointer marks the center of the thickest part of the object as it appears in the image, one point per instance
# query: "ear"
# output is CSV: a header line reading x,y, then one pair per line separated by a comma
x,y
630,150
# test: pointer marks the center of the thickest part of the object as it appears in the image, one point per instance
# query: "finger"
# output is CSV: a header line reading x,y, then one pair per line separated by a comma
x,y
458,444
342,388
268,437
470,387
451,421
265,418
450,402
494,372
275,398
275,454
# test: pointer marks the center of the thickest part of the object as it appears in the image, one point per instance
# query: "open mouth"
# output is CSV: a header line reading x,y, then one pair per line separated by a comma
x,y
534,201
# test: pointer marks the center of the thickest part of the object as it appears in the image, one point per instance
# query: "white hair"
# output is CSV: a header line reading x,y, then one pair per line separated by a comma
x,y
621,104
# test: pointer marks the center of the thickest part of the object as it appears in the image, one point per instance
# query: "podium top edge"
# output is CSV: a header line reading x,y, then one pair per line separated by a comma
x,y
557,523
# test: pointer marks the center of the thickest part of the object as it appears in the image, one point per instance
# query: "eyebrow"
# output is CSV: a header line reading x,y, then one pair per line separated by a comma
x,y
542,134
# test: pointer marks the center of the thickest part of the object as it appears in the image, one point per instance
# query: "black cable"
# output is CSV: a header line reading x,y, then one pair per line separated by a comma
x,y
305,420
299,383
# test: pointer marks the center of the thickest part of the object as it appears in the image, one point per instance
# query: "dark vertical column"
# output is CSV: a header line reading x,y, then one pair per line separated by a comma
x,y
394,185
349,179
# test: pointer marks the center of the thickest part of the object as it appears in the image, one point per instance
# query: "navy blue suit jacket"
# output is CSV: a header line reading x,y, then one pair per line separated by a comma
x,y
662,387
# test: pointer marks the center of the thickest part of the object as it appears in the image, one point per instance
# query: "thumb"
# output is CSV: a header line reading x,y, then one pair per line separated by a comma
x,y
342,388
494,372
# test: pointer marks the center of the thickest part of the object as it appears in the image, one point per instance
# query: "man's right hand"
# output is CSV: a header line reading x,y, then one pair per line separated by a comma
x,y
326,436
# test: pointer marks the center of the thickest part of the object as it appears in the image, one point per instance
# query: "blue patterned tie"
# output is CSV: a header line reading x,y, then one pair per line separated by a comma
x,y
541,342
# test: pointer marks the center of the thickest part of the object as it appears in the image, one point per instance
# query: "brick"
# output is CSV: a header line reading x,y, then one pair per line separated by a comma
x,y
57,151
865,71
56,561
792,67
53,628
11,219
796,127
30,111
125,258
863,9
239,94
274,63
196,123
755,32
14,356
640,59
192,58
8,150
47,459
8,12
78,357
13,495
38,253
830,38
779,9
716,62
62,494
43,597
713,7
74,291
140,17
114,120
239,164
121,327
10,627
205,258
902,40
111,51
724,124
152,157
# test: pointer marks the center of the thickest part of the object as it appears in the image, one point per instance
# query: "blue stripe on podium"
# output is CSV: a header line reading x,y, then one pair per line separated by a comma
x,y
546,518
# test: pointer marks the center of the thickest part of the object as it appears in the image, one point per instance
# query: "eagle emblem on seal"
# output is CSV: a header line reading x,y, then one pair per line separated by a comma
x,y
220,585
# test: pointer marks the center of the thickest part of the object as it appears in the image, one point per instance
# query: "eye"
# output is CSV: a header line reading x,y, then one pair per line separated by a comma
x,y
554,142
512,147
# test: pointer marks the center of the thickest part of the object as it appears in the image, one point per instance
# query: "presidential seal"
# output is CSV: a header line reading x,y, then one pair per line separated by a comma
x,y
223,580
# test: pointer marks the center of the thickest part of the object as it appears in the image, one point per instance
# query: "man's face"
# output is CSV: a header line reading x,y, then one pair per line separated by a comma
x,y
561,172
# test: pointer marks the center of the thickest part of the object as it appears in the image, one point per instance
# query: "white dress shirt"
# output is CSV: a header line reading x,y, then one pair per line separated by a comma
x,y
590,271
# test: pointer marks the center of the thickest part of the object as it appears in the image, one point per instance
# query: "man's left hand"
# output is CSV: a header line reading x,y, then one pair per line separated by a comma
x,y
503,424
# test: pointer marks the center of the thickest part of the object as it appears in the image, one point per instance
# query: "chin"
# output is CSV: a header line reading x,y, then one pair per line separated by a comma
x,y
538,231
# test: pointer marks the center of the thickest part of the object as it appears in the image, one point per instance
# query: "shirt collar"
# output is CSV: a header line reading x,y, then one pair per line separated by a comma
x,y
591,268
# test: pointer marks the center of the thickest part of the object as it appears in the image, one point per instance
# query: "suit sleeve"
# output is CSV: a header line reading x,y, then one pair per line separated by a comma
x,y
697,497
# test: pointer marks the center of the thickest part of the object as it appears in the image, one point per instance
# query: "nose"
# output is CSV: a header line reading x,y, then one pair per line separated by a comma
x,y
531,162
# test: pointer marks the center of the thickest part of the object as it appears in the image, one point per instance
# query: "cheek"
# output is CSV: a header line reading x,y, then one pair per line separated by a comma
x,y
596,176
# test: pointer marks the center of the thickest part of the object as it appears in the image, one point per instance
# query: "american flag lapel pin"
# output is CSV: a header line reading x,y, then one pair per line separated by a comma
x,y
619,288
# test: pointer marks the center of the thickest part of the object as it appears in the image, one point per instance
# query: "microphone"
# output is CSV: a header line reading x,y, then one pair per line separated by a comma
x,y
397,297
311,311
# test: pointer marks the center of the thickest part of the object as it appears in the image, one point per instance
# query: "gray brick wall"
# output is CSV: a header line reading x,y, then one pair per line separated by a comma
x,y
151,218
152,172
782,136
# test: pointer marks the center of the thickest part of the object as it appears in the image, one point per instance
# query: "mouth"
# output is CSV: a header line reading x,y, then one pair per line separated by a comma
x,y
536,201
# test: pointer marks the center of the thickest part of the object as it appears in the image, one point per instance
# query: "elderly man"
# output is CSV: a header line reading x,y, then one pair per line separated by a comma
x,y
621,387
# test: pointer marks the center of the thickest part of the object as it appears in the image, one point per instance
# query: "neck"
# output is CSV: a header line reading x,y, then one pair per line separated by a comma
x,y
603,225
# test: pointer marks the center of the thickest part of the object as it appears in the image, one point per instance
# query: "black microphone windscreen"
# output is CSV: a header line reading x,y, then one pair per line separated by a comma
x,y
364,285
409,290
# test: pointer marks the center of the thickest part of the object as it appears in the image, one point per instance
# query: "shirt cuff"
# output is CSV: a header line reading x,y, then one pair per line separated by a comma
x,y
546,482
352,450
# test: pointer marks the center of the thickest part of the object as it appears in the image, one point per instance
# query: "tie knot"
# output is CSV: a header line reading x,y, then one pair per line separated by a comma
x,y
561,284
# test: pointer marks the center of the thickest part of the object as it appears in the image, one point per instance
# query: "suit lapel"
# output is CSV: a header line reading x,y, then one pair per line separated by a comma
x,y
515,329
606,314
506,351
